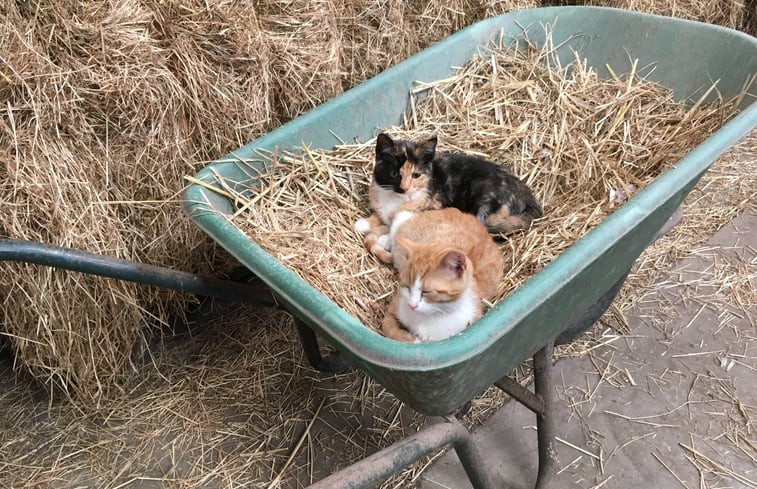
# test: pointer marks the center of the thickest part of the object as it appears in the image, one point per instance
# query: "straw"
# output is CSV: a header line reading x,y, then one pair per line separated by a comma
x,y
106,106
585,145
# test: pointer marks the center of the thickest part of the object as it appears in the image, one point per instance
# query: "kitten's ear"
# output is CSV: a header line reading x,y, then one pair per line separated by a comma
x,y
455,261
427,148
383,144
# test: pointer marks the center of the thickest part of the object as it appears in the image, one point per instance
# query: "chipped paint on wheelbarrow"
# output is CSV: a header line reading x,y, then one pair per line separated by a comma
x,y
436,378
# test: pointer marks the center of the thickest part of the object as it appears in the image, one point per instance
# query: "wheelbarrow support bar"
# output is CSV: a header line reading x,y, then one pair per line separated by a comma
x,y
542,403
104,266
381,465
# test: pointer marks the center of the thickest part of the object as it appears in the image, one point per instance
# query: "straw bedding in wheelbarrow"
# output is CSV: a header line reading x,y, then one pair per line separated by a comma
x,y
583,144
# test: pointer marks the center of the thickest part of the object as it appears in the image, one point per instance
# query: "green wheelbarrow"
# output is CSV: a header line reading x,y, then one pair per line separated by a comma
x,y
562,299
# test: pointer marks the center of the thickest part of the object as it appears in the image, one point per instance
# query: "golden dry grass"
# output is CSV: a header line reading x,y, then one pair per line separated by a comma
x,y
108,104
736,14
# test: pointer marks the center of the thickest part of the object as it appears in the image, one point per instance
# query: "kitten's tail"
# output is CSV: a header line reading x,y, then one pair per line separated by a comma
x,y
533,209
503,221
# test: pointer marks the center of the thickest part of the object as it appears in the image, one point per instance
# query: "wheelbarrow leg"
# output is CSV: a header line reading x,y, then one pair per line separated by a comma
x,y
542,403
334,364
545,420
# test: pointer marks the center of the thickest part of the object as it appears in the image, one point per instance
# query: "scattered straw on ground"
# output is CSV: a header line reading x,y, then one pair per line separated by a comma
x,y
697,317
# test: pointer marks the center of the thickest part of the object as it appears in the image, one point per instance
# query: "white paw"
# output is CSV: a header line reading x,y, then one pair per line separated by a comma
x,y
362,225
385,242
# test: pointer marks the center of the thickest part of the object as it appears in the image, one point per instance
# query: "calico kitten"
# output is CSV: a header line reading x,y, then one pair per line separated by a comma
x,y
411,175
447,263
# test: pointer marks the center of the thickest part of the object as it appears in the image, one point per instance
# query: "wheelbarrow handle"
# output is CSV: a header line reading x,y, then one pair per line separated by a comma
x,y
105,266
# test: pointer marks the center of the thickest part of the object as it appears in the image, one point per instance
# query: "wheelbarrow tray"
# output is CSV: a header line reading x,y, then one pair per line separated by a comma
x,y
436,378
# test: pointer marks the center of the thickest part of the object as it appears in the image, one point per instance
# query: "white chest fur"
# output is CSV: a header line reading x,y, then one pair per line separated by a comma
x,y
385,201
435,322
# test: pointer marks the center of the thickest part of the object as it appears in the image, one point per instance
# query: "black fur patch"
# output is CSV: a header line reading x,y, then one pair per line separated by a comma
x,y
469,183
480,187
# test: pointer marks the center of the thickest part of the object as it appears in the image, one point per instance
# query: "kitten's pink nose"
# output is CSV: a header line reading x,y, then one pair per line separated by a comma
x,y
413,306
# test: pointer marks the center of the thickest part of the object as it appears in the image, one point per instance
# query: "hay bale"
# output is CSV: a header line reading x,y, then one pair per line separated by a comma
x,y
304,53
735,14
583,144
377,34
108,106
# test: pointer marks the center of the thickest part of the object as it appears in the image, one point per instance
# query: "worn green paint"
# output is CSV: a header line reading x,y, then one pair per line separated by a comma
x,y
436,378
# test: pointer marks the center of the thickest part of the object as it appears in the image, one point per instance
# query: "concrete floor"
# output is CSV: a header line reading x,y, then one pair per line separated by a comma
x,y
672,405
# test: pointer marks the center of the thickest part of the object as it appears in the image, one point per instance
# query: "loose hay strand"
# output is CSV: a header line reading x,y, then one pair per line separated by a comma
x,y
276,480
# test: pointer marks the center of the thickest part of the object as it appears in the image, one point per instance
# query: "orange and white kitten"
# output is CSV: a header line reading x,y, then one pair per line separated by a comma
x,y
447,263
